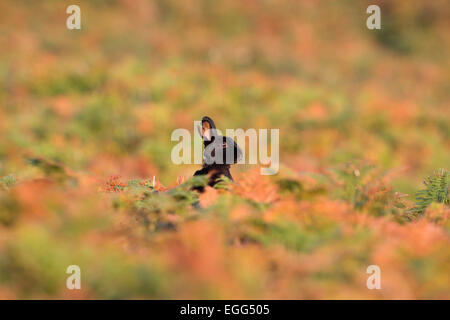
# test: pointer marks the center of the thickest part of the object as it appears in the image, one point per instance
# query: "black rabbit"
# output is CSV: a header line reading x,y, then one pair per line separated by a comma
x,y
226,149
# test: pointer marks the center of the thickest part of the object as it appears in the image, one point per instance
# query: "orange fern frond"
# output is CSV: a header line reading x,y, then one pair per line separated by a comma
x,y
256,187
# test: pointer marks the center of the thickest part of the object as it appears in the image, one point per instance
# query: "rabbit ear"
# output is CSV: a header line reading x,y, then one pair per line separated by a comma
x,y
210,121
199,130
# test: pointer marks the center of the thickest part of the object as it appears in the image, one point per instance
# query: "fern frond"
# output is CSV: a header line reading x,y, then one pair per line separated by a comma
x,y
436,190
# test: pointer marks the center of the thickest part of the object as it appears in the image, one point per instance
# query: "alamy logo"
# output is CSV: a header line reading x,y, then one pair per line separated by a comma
x,y
258,146
74,280
74,20
374,20
374,281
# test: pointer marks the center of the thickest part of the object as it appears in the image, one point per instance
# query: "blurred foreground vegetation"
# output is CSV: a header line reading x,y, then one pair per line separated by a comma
x,y
85,123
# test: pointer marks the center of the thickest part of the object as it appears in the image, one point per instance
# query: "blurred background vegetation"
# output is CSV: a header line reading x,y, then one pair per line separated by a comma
x,y
363,118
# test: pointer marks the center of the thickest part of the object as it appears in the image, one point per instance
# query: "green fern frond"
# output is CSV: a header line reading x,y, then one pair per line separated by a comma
x,y
436,190
223,183
8,181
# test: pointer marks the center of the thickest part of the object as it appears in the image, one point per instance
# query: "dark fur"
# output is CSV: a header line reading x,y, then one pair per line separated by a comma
x,y
217,170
